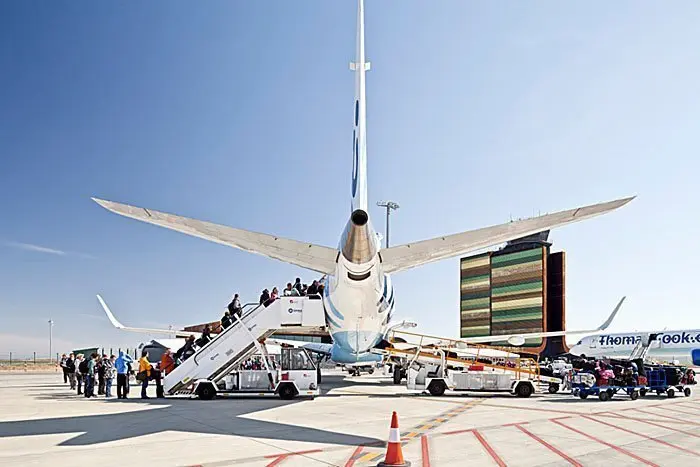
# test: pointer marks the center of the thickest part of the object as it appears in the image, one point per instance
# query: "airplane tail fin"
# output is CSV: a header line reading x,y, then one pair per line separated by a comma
x,y
359,143
610,319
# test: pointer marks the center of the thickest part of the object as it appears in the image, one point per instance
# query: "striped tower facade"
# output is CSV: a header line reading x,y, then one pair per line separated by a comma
x,y
504,293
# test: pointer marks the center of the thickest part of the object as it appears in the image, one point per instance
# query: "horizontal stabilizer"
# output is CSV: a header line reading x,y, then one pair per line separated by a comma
x,y
519,339
402,257
306,255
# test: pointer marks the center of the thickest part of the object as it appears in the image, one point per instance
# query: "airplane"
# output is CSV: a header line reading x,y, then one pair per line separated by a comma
x,y
682,346
359,295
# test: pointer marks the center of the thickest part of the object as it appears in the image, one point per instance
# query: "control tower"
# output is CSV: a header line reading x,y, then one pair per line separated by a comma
x,y
517,289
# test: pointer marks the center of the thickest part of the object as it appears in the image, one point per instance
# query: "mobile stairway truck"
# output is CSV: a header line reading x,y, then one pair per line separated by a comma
x,y
212,370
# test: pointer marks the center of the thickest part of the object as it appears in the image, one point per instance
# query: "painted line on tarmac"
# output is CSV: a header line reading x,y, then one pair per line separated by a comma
x,y
418,431
494,455
278,459
548,446
689,405
354,456
502,406
605,443
694,414
424,451
687,433
647,437
675,419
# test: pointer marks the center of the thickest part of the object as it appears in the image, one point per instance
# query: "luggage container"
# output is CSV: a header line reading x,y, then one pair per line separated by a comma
x,y
666,379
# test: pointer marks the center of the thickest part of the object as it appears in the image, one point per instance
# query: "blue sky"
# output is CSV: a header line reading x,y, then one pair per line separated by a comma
x,y
240,113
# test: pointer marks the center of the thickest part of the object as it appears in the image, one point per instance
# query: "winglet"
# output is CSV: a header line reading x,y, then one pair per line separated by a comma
x,y
610,319
109,314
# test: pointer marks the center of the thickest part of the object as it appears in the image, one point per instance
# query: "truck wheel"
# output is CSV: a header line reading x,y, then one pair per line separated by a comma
x,y
437,388
686,392
524,390
634,395
397,375
642,392
553,388
206,391
287,392
671,392
583,395
370,371
604,396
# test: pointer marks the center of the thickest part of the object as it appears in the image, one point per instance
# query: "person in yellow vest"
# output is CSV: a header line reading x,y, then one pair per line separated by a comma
x,y
145,373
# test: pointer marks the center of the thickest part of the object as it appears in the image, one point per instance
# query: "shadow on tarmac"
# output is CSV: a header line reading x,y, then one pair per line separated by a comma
x,y
219,416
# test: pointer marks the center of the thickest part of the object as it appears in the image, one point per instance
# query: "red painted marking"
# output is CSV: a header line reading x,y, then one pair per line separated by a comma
x,y
456,432
489,449
658,424
568,412
605,443
681,411
354,456
687,422
281,457
548,446
650,438
425,452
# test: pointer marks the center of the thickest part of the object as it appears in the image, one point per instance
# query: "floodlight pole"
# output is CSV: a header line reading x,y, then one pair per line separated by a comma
x,y
50,339
389,205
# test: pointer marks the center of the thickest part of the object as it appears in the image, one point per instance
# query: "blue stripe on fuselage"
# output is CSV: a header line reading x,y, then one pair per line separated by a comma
x,y
334,310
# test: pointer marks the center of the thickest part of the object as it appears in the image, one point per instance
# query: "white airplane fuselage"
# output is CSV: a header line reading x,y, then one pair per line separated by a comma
x,y
358,301
682,346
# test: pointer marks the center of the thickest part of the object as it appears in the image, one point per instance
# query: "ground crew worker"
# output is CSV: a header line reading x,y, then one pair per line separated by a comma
x,y
144,373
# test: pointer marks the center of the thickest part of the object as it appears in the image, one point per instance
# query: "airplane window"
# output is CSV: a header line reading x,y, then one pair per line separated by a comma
x,y
579,342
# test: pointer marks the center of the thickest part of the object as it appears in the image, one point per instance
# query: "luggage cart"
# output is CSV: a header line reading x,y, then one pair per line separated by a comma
x,y
582,388
659,381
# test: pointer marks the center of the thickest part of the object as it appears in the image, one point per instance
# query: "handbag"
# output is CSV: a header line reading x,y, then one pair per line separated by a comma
x,y
142,376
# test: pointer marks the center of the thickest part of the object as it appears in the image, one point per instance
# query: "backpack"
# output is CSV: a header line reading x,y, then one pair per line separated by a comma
x,y
83,367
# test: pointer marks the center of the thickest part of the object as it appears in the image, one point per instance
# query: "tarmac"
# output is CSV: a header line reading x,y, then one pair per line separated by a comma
x,y
43,423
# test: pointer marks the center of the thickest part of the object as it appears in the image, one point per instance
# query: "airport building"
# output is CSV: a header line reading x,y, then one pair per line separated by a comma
x,y
515,290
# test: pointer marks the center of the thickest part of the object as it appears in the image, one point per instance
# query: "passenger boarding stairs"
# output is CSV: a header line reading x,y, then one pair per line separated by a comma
x,y
239,341
641,350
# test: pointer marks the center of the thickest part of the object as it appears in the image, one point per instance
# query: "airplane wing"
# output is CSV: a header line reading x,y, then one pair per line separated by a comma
x,y
402,257
519,339
118,325
315,257
316,347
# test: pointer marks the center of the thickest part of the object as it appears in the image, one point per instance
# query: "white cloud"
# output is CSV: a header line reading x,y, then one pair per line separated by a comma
x,y
37,248
44,249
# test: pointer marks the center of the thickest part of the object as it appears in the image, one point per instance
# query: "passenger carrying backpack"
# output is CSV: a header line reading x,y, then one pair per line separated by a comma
x,y
83,367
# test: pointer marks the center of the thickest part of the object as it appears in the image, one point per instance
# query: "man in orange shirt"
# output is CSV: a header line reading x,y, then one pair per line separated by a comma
x,y
167,363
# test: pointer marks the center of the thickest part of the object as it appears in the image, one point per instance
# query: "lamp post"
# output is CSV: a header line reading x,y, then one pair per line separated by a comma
x,y
50,339
389,205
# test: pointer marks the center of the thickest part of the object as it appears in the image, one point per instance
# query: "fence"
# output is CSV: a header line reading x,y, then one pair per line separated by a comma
x,y
35,358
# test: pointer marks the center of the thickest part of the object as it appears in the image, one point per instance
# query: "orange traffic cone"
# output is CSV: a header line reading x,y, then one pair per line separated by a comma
x,y
394,456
